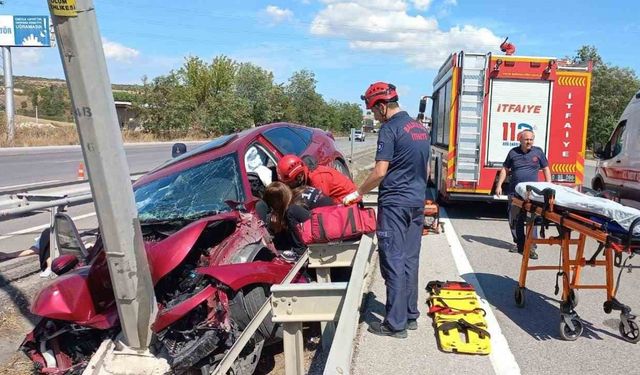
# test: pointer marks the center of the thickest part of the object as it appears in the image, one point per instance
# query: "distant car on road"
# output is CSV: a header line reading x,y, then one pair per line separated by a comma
x,y
358,135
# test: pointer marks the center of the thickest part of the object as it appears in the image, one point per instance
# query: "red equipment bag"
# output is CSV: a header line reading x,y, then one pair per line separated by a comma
x,y
336,223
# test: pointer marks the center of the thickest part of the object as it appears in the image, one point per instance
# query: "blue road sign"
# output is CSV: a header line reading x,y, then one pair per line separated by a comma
x,y
25,31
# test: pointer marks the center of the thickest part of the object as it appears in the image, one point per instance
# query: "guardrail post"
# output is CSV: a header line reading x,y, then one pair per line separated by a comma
x,y
327,329
293,348
54,250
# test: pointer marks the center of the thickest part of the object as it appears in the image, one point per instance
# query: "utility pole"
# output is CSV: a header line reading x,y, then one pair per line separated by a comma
x,y
8,94
85,69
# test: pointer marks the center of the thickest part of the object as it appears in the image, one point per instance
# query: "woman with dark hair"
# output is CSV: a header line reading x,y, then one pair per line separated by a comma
x,y
288,209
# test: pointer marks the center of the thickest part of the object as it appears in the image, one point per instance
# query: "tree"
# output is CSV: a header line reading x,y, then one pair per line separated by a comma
x,y
306,103
254,85
611,89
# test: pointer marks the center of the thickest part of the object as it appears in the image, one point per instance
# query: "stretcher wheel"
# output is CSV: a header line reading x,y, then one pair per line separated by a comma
x,y
565,331
607,306
633,334
573,298
519,296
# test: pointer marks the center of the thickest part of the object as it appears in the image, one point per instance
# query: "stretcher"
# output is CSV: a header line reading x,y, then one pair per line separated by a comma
x,y
615,227
458,318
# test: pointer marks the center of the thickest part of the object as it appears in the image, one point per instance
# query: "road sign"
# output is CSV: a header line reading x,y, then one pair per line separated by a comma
x,y
24,31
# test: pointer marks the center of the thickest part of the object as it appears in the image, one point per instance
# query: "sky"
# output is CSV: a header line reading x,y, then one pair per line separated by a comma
x,y
347,44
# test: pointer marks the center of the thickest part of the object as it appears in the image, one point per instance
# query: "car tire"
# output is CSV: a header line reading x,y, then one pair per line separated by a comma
x,y
341,167
251,299
597,184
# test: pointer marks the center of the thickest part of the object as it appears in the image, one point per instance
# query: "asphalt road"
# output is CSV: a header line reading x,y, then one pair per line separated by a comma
x,y
60,163
482,232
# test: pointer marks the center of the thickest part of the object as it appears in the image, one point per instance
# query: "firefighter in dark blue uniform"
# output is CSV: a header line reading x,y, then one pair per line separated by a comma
x,y
402,159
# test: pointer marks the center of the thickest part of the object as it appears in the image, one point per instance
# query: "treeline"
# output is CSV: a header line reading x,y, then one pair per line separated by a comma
x,y
226,96
611,90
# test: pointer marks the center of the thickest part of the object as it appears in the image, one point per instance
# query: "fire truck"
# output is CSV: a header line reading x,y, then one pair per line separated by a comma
x,y
482,101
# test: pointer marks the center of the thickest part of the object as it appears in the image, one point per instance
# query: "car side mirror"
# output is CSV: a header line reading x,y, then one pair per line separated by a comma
x,y
423,104
67,237
178,149
64,264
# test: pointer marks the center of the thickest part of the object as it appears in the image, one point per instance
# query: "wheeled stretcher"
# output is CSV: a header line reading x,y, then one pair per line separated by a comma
x,y
616,228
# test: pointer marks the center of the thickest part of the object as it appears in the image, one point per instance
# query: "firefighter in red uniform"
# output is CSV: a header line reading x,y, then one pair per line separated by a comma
x,y
294,172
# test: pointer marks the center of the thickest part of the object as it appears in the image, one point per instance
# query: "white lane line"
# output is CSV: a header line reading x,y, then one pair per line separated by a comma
x,y
27,185
502,359
40,227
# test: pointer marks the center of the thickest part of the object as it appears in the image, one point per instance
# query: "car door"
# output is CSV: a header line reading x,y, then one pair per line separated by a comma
x,y
615,159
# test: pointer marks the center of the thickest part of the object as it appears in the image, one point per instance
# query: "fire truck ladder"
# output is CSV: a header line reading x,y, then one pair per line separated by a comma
x,y
470,110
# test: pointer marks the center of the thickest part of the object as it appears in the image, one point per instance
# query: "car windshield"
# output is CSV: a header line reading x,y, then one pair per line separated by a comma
x,y
192,193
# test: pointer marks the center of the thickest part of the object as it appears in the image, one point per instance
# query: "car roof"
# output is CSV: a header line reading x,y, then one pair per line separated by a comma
x,y
215,148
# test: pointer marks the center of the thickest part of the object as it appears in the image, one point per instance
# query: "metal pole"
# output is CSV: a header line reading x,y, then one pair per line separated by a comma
x,y
353,139
85,69
8,94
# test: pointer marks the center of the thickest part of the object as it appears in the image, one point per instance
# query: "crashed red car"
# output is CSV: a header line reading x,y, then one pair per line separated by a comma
x,y
211,258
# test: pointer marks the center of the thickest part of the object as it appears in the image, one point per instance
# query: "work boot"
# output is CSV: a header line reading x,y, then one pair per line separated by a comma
x,y
514,249
533,254
381,329
412,324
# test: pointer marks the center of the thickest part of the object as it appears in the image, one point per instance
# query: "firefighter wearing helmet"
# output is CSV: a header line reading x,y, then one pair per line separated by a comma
x,y
292,171
295,172
401,170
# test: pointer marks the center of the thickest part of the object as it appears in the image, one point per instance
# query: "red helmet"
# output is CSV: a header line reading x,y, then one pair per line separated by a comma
x,y
290,167
379,91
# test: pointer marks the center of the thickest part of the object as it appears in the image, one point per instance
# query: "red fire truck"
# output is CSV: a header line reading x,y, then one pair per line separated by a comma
x,y
480,104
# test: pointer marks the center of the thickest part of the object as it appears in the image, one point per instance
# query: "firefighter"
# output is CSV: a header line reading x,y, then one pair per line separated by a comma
x,y
295,172
523,162
402,159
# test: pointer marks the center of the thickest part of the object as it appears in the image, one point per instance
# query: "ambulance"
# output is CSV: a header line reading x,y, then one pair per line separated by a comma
x,y
482,101
618,167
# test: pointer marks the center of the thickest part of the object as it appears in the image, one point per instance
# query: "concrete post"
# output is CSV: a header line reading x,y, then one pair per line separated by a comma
x,y
85,69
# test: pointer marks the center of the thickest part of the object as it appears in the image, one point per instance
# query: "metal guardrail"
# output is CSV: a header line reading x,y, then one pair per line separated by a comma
x,y
322,301
233,353
25,199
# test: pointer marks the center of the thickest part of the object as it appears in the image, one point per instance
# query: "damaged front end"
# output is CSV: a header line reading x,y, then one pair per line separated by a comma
x,y
202,302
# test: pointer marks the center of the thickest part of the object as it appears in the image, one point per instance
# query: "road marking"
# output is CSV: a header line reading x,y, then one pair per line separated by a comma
x,y
27,185
502,359
39,227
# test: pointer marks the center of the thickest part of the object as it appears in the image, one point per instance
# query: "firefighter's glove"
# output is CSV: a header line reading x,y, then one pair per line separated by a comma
x,y
351,198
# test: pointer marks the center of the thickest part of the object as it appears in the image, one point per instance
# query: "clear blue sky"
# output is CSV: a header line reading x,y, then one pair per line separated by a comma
x,y
347,44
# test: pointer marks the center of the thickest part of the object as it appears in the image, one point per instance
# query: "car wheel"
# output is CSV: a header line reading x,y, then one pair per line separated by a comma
x,y
250,300
341,167
597,185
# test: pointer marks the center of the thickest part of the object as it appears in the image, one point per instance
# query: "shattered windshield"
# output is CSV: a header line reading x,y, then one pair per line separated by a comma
x,y
192,193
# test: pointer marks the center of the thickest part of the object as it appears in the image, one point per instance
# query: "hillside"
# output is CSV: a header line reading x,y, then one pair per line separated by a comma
x,y
26,82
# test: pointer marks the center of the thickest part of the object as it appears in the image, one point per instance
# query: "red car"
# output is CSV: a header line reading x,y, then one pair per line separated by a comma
x,y
211,258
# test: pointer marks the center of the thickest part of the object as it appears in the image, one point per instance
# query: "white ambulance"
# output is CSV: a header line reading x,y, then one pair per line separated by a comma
x,y
618,167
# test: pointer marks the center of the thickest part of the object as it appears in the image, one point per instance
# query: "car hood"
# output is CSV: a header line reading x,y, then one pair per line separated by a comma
x,y
167,254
